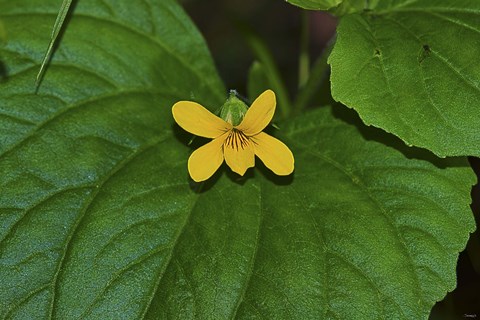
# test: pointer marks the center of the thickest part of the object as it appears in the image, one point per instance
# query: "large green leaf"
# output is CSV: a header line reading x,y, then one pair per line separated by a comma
x,y
98,218
2,32
410,68
315,4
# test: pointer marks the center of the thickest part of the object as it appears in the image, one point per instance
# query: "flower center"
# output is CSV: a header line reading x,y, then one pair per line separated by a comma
x,y
237,139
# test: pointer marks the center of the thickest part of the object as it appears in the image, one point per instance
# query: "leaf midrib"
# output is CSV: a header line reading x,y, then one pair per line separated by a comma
x,y
253,261
356,181
66,110
67,245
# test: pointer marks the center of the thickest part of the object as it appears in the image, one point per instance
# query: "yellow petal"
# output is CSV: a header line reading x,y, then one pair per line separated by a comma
x,y
273,153
259,114
204,161
238,151
194,118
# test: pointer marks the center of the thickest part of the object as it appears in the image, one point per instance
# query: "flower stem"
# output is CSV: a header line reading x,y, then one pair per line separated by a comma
x,y
265,57
318,75
304,57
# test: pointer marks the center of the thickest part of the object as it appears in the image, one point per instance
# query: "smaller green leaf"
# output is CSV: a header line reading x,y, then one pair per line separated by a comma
x,y
315,4
314,86
265,56
353,6
409,68
257,80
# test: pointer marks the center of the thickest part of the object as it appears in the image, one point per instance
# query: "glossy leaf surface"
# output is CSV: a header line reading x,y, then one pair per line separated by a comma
x,y
409,67
98,218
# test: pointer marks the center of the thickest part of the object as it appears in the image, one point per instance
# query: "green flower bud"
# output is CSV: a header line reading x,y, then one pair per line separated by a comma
x,y
233,110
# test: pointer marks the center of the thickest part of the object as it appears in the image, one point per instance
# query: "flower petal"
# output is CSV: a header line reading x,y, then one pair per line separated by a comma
x,y
194,118
273,153
238,151
259,114
204,161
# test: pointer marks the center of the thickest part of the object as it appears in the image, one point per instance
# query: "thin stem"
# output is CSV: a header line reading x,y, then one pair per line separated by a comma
x,y
304,57
317,77
263,54
57,27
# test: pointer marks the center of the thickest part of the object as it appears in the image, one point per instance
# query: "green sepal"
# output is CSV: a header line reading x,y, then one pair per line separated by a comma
x,y
234,109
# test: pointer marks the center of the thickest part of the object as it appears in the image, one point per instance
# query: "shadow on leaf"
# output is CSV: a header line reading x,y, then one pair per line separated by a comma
x,y
3,72
378,135
272,177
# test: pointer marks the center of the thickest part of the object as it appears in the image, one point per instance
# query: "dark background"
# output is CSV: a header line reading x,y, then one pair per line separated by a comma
x,y
278,24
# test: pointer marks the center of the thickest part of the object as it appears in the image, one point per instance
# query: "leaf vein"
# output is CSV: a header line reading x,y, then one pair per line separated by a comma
x,y
170,258
19,303
28,210
145,35
253,260
65,111
382,210
120,165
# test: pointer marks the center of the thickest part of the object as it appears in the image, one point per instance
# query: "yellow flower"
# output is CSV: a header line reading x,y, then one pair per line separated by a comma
x,y
237,144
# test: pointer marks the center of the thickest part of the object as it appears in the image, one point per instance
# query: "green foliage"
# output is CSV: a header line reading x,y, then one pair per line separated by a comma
x,y
270,70
257,80
315,4
98,218
352,6
2,32
409,67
